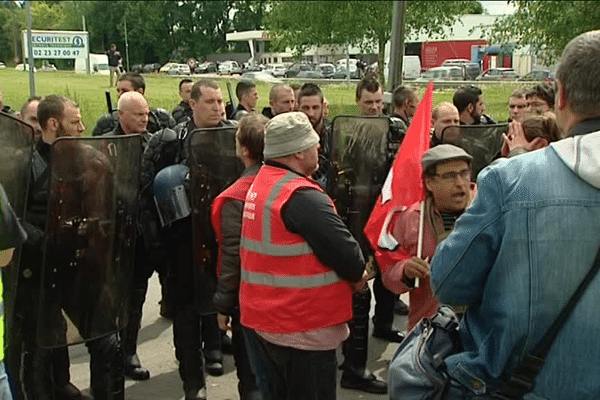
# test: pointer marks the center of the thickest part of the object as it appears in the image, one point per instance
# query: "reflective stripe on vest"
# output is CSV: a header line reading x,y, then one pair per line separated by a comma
x,y
296,282
266,247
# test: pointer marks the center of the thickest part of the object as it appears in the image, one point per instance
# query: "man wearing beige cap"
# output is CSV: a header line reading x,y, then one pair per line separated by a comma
x,y
446,178
300,265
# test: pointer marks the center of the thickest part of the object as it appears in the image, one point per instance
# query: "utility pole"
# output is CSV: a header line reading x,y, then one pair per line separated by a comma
x,y
87,58
30,51
397,45
126,46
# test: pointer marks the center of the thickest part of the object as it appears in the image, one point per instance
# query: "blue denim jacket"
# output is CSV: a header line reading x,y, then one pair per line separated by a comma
x,y
515,257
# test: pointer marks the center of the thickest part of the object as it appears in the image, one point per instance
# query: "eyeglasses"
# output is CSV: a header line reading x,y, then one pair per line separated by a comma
x,y
517,106
451,176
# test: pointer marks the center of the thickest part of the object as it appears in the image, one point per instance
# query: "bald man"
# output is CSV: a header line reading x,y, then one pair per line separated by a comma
x,y
443,115
28,114
282,99
133,119
133,113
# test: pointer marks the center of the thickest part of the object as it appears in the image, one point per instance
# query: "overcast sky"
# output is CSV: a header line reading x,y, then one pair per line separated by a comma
x,y
498,7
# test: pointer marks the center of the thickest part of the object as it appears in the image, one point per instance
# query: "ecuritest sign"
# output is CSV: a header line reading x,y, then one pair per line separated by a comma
x,y
57,44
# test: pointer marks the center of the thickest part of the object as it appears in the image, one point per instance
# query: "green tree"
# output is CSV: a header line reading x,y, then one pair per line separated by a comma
x,y
300,24
547,26
248,17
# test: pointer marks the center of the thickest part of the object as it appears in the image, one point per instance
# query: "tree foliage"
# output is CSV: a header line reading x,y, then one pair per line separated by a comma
x,y
300,24
547,26
157,31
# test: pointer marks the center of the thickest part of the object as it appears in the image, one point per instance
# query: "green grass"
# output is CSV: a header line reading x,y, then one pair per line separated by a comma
x,y
162,91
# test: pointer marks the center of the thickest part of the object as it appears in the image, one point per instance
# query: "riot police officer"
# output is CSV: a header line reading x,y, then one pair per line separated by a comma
x,y
182,111
158,118
58,116
164,170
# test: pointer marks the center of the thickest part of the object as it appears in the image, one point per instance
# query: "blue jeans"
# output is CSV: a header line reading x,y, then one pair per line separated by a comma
x,y
258,362
5,393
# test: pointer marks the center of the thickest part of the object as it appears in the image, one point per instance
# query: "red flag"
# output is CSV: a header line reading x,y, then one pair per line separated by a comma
x,y
403,185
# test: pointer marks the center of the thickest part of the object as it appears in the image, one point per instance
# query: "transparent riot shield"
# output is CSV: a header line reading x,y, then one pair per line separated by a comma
x,y
89,252
482,142
362,155
213,167
16,149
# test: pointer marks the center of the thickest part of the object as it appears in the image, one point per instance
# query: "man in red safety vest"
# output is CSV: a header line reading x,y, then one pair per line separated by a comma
x,y
299,264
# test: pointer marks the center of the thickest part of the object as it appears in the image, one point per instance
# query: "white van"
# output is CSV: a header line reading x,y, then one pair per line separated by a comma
x,y
98,64
411,65
341,64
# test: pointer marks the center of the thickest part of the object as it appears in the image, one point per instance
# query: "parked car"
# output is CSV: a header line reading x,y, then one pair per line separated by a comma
x,y
206,67
2,65
277,70
455,61
149,68
296,68
166,67
443,74
179,69
498,74
470,69
48,67
537,76
341,73
260,76
309,75
24,67
326,70
229,68
137,68
247,67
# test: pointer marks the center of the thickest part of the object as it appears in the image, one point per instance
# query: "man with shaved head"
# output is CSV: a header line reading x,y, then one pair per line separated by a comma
x,y
133,113
133,119
443,115
281,99
158,118
28,114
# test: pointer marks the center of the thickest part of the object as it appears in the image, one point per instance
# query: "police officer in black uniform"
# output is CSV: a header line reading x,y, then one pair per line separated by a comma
x,y
182,111
133,119
158,118
58,116
192,297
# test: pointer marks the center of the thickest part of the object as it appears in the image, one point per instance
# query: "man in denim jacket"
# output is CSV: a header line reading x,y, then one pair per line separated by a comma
x,y
518,253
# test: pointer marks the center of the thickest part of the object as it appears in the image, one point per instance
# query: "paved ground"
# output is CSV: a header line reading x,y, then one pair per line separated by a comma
x,y
157,353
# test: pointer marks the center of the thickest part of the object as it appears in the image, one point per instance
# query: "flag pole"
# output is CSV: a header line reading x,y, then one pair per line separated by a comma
x,y
420,236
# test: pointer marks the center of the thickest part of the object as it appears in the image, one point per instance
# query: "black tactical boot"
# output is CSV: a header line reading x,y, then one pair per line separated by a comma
x,y
133,366
107,368
355,349
134,369
211,335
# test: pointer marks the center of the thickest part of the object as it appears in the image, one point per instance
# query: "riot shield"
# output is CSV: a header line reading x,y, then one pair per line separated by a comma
x,y
89,251
362,155
482,142
16,149
213,167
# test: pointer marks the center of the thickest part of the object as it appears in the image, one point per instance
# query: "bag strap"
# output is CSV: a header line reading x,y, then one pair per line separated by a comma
x,y
522,379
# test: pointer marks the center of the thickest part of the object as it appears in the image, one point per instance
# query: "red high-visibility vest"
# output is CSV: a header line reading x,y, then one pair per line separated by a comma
x,y
237,191
284,287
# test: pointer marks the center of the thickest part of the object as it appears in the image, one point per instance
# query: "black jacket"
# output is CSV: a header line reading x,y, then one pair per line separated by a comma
x,y
182,112
192,281
158,119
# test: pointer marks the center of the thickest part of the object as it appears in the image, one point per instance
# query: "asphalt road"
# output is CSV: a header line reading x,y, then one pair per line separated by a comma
x,y
156,350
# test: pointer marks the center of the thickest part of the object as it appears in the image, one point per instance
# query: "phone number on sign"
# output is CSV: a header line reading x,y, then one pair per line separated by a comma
x,y
55,53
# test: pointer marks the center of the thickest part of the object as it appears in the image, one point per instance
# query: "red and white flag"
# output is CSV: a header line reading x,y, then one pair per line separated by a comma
x,y
404,184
